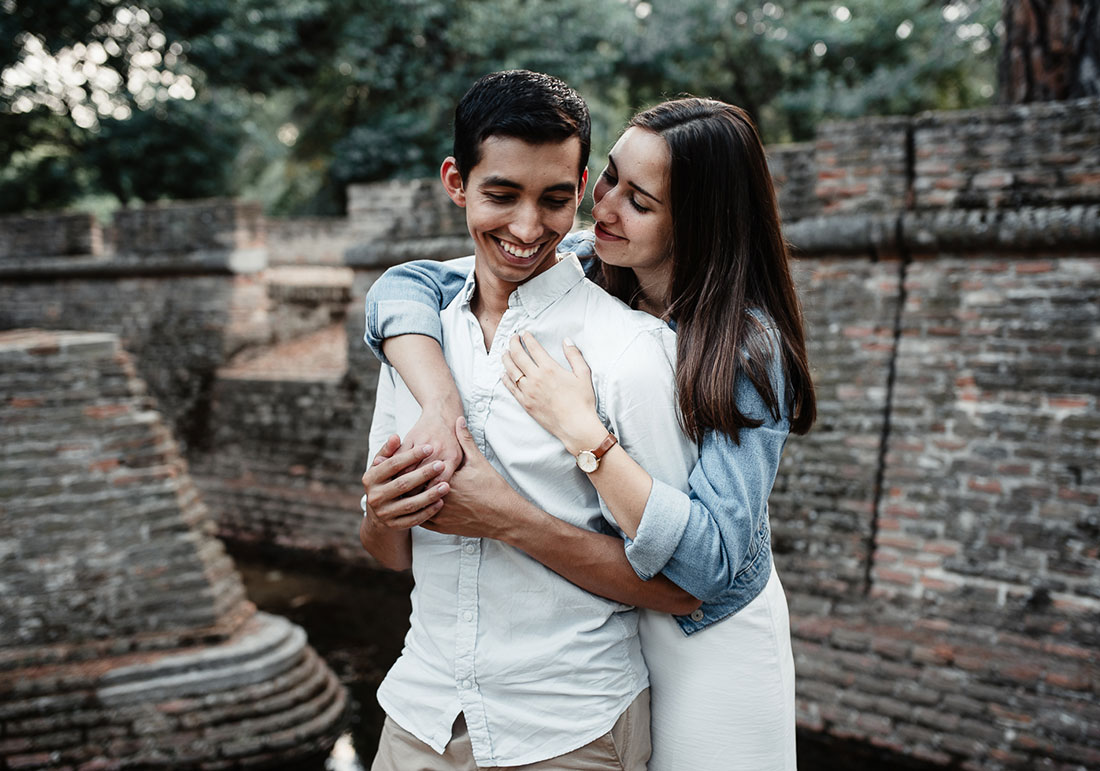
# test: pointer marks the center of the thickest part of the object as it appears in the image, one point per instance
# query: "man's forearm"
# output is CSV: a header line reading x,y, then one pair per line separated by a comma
x,y
392,548
593,561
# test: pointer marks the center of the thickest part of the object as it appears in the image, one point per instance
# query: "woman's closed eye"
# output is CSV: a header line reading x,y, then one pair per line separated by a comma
x,y
612,180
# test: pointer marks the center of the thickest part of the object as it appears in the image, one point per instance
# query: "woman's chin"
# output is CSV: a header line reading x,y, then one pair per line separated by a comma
x,y
610,256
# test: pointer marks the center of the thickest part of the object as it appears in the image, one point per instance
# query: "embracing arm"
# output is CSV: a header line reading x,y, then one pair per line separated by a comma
x,y
593,561
403,329
482,504
407,298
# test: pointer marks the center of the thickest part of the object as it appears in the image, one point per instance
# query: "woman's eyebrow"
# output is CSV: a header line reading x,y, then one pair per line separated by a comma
x,y
636,186
644,192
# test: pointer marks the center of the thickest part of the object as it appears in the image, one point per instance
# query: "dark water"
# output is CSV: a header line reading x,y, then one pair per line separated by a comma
x,y
356,619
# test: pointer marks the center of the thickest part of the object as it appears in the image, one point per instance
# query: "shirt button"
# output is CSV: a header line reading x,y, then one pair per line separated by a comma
x,y
697,614
466,685
470,548
467,615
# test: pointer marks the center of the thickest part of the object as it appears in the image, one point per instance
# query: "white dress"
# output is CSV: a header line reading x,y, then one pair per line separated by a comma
x,y
723,698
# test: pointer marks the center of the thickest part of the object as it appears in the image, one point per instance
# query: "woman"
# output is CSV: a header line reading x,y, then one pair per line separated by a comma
x,y
686,229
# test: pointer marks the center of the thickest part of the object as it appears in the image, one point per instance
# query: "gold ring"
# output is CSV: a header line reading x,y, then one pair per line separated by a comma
x,y
521,377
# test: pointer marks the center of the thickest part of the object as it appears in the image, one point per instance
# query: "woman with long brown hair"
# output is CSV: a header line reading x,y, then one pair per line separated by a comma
x,y
687,229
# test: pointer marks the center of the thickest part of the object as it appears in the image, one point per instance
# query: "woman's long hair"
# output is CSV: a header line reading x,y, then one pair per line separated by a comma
x,y
728,256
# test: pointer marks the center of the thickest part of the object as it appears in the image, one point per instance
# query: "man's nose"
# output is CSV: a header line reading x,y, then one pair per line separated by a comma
x,y
527,226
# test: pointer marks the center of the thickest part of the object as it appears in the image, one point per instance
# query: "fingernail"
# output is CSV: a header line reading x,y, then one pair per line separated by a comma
x,y
441,488
462,422
437,466
426,449
569,341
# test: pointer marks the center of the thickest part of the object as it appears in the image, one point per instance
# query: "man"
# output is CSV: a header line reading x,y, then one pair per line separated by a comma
x,y
506,663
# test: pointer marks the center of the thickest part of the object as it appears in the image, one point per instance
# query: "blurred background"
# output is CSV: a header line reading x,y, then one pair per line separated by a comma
x,y
106,103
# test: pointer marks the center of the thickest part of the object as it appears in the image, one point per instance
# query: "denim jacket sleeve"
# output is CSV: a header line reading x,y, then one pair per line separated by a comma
x,y
407,298
702,539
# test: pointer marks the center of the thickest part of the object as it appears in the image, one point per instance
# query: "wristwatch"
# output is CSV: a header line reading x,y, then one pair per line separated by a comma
x,y
589,460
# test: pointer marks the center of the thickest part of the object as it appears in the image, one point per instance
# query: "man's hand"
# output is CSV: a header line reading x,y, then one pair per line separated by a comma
x,y
481,503
399,487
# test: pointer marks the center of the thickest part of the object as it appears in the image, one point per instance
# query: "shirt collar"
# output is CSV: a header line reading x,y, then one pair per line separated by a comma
x,y
543,290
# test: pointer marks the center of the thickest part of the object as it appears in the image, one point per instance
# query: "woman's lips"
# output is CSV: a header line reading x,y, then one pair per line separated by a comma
x,y
604,235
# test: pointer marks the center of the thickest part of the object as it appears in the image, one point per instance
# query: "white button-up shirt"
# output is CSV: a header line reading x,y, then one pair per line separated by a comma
x,y
538,666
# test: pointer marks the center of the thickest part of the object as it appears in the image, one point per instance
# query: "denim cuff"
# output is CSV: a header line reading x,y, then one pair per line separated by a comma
x,y
390,318
663,522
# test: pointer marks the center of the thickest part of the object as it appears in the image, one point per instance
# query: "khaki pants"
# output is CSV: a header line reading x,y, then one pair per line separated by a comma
x,y
625,747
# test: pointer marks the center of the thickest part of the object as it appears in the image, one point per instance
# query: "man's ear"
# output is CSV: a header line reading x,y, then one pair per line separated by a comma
x,y
452,181
582,186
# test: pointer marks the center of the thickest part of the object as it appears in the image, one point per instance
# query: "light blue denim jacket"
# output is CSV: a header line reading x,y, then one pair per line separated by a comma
x,y
715,541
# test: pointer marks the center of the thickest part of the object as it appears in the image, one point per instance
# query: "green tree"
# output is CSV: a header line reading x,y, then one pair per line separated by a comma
x,y
287,101
793,64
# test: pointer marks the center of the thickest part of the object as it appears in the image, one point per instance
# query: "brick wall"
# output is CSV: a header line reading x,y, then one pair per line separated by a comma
x,y
937,532
125,636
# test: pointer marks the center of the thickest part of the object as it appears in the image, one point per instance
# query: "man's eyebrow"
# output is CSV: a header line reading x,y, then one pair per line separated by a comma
x,y
500,182
561,187
635,185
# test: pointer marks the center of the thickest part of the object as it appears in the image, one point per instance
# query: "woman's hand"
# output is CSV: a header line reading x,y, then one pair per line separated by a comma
x,y
481,503
561,401
435,429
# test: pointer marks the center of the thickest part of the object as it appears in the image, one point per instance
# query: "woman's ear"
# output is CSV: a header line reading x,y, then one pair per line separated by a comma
x,y
452,181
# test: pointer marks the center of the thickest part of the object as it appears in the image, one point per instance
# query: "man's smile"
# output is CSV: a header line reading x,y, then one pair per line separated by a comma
x,y
517,251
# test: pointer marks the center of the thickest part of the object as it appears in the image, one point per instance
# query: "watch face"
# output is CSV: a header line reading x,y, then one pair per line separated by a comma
x,y
587,462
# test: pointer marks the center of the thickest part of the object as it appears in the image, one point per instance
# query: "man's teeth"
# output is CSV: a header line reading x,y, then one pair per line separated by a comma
x,y
515,251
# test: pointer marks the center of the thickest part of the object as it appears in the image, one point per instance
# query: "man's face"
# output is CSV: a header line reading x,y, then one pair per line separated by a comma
x,y
520,200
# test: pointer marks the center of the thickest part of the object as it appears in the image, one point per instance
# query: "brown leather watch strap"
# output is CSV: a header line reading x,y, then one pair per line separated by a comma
x,y
609,441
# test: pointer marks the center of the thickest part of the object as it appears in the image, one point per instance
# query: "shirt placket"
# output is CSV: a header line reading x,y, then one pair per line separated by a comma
x,y
484,378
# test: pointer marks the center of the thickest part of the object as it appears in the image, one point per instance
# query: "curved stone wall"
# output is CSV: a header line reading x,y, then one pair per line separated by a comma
x,y
125,635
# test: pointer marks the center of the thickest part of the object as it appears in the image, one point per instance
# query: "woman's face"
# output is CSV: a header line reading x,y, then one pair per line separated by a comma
x,y
633,212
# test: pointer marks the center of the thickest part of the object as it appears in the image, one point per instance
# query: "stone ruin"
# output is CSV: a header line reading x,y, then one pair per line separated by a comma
x,y
126,639
938,533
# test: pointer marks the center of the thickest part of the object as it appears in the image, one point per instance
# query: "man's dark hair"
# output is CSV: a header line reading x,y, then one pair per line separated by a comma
x,y
525,105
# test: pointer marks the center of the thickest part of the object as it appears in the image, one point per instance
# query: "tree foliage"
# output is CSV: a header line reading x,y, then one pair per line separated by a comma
x,y
289,100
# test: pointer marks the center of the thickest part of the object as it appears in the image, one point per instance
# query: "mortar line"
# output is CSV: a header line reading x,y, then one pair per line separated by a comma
x,y
905,258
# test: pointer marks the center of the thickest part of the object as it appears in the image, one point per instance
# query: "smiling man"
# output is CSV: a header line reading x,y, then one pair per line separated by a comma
x,y
506,663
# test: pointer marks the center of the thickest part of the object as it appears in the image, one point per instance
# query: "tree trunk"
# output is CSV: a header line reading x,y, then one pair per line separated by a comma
x,y
1051,50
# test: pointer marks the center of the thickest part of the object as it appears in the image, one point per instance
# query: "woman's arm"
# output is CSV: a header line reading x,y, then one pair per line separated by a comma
x,y
482,504
403,329
407,298
698,539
